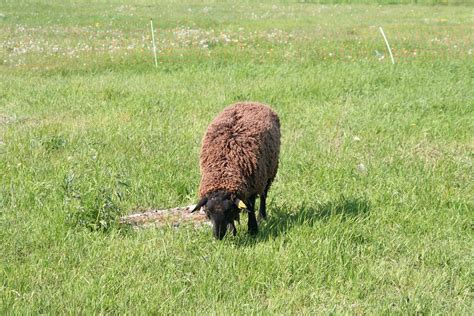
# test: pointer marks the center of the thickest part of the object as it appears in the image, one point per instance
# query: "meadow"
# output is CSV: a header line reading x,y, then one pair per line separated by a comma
x,y
372,208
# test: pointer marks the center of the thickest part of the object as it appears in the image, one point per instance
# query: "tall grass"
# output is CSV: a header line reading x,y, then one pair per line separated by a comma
x,y
371,211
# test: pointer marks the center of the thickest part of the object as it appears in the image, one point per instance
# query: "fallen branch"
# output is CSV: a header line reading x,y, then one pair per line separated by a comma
x,y
174,217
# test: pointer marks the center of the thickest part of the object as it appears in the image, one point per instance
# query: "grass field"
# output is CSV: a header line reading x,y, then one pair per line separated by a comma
x,y
372,208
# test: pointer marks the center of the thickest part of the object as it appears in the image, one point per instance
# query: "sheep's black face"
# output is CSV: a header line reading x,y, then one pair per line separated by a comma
x,y
222,213
223,210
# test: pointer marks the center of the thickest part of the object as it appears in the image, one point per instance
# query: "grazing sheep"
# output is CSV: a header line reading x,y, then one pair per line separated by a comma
x,y
239,160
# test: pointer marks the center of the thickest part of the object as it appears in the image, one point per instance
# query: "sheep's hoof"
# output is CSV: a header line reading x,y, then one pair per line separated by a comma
x,y
253,230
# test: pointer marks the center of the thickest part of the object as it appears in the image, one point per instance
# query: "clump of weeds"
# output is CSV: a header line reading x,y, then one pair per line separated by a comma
x,y
94,202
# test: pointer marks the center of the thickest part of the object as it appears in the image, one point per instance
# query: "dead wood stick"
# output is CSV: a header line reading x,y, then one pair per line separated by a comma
x,y
164,217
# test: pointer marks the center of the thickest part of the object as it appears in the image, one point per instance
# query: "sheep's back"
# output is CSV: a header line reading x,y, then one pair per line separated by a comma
x,y
240,150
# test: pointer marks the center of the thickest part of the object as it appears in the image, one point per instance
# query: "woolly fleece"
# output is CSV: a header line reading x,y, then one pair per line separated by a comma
x,y
240,150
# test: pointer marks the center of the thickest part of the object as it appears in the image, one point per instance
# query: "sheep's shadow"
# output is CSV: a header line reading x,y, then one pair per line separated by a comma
x,y
282,219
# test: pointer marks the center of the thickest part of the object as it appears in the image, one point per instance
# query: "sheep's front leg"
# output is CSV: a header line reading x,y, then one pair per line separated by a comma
x,y
252,224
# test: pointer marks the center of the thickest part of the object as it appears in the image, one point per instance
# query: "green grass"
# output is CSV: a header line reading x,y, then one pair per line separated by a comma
x,y
372,208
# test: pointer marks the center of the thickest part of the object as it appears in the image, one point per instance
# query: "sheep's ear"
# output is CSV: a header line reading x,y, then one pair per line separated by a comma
x,y
241,205
200,204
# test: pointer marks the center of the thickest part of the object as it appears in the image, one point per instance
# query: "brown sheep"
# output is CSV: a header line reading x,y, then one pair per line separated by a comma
x,y
239,160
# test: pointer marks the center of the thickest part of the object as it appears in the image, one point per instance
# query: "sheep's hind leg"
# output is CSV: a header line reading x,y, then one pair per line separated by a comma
x,y
263,203
252,224
262,213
